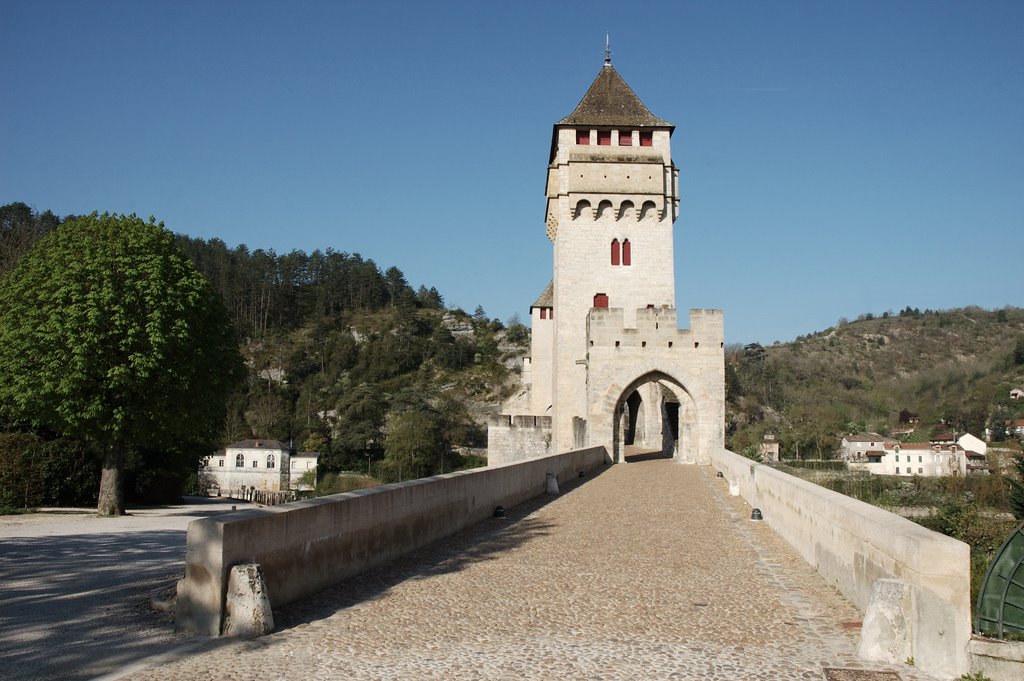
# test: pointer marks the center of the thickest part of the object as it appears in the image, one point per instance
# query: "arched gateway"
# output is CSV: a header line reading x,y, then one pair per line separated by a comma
x,y
608,364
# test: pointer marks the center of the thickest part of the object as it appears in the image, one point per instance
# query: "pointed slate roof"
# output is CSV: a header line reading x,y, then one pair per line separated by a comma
x,y
609,101
547,297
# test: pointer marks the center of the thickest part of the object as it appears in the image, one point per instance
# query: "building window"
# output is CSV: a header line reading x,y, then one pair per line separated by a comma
x,y
604,138
920,470
897,458
220,463
255,463
601,300
646,139
920,459
239,460
627,258
582,137
897,470
615,252
543,313
270,461
625,138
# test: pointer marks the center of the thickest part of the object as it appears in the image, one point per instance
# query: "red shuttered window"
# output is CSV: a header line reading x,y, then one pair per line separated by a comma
x,y
615,251
582,137
601,300
627,254
604,137
646,139
625,138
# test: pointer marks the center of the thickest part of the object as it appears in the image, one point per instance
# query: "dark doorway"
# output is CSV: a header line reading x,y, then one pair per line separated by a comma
x,y
672,414
633,402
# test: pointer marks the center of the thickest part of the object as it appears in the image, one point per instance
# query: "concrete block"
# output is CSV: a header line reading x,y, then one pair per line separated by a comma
x,y
247,607
551,484
886,635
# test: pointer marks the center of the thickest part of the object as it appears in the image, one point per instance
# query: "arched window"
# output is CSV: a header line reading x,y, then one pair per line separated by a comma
x,y
270,461
601,300
626,253
615,251
239,460
580,207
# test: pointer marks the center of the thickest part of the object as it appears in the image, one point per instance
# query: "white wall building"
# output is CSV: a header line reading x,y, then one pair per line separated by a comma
x,y
258,464
926,459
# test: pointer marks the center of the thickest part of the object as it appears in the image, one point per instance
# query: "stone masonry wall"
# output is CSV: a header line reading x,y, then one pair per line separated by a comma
x,y
692,359
517,438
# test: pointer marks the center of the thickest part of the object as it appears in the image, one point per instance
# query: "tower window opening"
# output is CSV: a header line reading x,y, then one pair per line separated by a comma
x,y
582,137
670,343
543,313
625,138
615,252
604,138
646,138
616,343
601,300
626,253
643,344
696,344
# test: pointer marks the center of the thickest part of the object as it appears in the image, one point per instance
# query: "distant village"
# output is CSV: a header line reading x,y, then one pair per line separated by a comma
x,y
913,449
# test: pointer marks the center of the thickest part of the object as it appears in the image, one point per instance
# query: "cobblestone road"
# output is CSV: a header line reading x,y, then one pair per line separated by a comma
x,y
648,570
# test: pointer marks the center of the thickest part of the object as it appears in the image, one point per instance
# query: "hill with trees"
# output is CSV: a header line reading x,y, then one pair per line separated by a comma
x,y
952,367
341,357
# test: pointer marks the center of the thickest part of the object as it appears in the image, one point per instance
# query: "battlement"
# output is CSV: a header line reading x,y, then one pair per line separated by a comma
x,y
510,421
656,328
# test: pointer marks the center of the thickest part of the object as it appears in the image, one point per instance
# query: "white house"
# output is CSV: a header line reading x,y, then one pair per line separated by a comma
x,y
926,459
856,446
257,464
301,463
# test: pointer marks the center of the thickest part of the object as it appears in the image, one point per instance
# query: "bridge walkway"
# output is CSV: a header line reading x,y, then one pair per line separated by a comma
x,y
647,570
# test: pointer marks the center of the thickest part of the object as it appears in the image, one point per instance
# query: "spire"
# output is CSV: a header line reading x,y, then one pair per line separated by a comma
x,y
607,52
609,101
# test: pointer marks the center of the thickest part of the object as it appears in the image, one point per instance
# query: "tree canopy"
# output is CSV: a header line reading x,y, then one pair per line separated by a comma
x,y
109,333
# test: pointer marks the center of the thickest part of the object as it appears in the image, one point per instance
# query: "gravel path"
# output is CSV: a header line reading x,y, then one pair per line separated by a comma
x,y
648,570
76,590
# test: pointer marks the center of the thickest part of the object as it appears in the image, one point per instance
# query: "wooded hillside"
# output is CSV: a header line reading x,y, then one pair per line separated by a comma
x,y
343,358
955,367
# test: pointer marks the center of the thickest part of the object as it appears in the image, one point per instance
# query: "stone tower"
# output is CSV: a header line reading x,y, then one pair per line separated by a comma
x,y
612,197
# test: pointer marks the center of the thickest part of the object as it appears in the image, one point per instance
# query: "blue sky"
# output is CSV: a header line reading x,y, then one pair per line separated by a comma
x,y
836,158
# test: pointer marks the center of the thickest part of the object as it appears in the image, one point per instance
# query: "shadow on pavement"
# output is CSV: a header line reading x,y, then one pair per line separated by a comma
x,y
481,542
70,608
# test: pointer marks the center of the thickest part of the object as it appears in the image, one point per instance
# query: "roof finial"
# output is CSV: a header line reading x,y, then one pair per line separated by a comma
x,y
607,51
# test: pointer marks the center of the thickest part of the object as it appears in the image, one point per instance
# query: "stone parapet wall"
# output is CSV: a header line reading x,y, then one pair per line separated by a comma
x,y
517,438
853,544
307,545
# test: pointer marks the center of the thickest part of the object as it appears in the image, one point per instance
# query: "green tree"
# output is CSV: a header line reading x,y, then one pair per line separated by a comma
x,y
108,333
1016,491
416,444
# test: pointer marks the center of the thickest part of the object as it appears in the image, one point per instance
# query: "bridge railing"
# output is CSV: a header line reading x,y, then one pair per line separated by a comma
x,y
853,545
305,546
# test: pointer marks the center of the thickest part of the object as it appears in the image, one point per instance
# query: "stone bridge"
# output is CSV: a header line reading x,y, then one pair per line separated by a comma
x,y
646,570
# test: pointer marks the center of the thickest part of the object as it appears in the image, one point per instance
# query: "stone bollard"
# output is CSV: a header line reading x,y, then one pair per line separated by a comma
x,y
247,610
551,484
885,634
